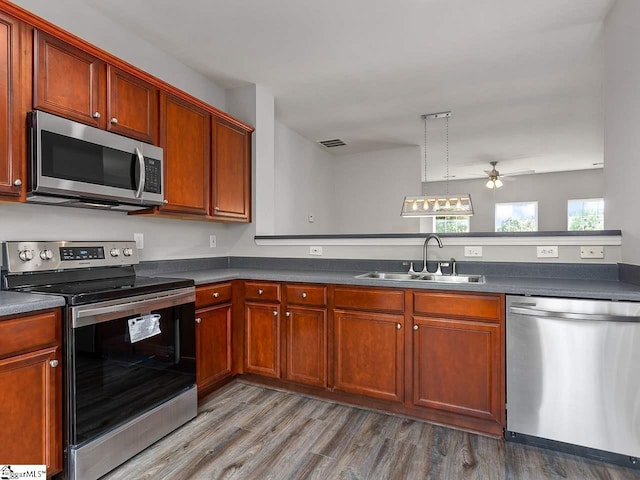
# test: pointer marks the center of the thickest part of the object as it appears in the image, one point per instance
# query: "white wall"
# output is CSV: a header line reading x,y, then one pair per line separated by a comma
x,y
369,189
303,184
86,22
622,125
550,190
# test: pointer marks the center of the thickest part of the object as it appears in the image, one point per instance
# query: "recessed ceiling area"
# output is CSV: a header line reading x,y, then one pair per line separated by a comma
x,y
522,78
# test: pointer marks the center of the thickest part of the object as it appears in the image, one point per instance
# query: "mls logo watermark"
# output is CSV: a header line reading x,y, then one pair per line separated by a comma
x,y
9,472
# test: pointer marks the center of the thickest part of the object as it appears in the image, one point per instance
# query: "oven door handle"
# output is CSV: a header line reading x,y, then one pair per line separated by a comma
x,y
113,309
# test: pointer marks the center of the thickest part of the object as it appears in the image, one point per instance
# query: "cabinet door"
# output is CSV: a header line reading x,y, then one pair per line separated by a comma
x,y
213,344
456,366
132,106
12,155
69,82
185,138
31,409
307,345
368,354
262,334
231,174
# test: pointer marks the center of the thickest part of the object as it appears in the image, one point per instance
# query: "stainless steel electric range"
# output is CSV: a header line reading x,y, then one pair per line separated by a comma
x,y
128,342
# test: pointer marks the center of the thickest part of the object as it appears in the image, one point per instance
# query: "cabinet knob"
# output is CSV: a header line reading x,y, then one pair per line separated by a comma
x,y
398,326
53,363
275,313
260,291
96,115
216,294
288,314
304,294
415,327
114,120
17,182
198,320
216,208
165,201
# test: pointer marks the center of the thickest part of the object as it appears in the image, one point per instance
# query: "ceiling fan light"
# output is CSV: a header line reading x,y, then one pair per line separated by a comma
x,y
490,183
498,183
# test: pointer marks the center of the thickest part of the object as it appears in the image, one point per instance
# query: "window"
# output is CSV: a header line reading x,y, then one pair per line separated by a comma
x,y
451,224
517,217
585,214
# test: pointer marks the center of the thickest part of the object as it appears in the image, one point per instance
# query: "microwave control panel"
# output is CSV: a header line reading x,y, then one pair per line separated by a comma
x,y
153,175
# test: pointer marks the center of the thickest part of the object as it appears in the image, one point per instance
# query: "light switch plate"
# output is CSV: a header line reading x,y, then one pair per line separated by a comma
x,y
592,252
473,251
315,250
139,239
212,241
548,251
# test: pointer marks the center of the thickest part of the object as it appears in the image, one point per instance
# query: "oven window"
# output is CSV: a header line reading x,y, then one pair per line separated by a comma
x,y
117,376
72,159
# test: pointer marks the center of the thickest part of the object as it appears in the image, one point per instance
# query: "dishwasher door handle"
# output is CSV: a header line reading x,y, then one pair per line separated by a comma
x,y
525,309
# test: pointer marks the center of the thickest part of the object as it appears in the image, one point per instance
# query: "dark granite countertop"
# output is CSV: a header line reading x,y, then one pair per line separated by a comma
x,y
15,303
556,287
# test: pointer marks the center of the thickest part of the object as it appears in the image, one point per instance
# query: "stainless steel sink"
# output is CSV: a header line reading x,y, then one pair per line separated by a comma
x,y
422,277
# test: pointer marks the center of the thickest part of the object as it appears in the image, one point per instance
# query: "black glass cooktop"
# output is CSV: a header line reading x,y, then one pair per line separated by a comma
x,y
91,291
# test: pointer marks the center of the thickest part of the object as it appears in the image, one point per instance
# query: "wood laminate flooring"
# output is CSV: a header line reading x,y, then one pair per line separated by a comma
x,y
246,431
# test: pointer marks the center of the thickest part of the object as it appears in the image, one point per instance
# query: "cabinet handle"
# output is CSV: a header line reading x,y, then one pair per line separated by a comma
x,y
114,120
288,314
17,182
216,294
260,291
198,320
96,115
415,327
275,313
398,326
53,363
304,294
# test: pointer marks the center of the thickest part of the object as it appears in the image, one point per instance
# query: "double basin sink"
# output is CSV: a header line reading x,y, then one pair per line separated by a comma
x,y
422,277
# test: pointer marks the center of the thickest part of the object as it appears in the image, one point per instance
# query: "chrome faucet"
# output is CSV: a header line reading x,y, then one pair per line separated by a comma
x,y
424,252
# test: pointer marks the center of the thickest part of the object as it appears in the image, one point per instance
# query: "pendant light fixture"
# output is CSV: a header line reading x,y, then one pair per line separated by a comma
x,y
440,205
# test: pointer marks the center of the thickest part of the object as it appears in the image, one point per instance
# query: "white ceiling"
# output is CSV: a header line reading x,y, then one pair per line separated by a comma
x,y
521,77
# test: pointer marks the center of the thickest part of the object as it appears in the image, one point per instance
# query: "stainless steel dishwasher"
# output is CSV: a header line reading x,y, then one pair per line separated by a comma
x,y
573,376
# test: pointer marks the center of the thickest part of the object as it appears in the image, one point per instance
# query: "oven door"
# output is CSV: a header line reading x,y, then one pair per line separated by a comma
x,y
126,357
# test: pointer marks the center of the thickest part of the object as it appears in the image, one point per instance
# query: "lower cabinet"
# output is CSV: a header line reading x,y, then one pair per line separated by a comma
x,y
306,334
31,390
262,339
369,350
214,327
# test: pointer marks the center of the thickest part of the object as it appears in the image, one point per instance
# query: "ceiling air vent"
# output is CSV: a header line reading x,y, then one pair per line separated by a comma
x,y
336,142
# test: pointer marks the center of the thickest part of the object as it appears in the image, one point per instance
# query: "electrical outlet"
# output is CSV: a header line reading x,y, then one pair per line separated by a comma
x,y
315,250
212,241
472,251
592,252
311,219
139,238
547,251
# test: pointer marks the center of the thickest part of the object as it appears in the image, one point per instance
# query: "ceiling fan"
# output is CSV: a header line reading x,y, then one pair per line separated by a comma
x,y
494,179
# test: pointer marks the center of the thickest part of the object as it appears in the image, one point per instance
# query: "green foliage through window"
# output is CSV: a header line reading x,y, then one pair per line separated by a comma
x,y
585,214
451,224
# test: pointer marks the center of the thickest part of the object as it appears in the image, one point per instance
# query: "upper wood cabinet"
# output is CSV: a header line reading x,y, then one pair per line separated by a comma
x,y
132,106
68,81
231,172
185,138
12,108
74,84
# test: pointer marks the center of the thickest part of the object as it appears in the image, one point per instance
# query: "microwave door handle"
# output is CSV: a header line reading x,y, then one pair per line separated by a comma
x,y
143,173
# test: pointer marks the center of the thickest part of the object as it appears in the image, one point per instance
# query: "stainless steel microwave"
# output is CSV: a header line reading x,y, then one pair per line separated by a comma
x,y
72,164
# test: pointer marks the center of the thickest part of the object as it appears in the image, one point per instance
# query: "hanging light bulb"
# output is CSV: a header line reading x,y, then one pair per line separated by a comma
x,y
490,183
447,204
425,207
459,204
415,206
498,182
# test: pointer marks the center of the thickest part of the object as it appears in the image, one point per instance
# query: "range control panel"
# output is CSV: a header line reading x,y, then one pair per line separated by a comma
x,y
21,257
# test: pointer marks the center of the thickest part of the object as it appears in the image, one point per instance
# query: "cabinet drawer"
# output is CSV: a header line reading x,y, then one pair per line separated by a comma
x,y
29,332
262,291
386,300
483,307
306,295
213,294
